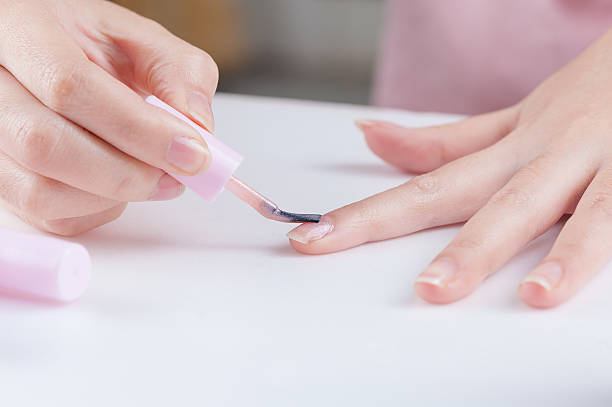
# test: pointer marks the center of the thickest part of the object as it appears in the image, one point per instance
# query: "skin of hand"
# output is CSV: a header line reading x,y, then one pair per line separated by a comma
x,y
77,140
511,174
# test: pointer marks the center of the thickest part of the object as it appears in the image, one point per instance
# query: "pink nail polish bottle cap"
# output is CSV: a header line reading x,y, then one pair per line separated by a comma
x,y
42,266
210,183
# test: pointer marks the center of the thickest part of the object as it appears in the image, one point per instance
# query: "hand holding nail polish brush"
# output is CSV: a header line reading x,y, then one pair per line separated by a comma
x,y
54,269
219,176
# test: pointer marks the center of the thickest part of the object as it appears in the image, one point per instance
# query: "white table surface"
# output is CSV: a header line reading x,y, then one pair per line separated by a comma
x,y
194,304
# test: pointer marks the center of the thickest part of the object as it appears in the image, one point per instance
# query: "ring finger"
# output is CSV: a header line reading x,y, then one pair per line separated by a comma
x,y
42,198
582,248
534,199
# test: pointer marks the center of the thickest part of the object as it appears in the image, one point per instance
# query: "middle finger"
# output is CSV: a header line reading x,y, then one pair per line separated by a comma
x,y
46,143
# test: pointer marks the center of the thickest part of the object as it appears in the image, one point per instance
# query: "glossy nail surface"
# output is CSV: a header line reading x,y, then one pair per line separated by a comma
x,y
309,232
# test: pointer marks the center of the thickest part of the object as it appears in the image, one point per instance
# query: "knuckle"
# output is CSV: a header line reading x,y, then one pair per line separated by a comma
x,y
417,195
194,63
200,61
369,218
36,144
426,183
210,63
601,201
151,25
536,169
520,191
133,129
33,201
604,182
63,82
137,185
154,25
366,214
155,71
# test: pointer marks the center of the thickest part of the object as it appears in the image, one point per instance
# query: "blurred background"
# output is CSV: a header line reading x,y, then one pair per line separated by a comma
x,y
307,49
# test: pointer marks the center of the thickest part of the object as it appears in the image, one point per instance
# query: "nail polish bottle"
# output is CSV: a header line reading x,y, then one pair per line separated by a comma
x,y
42,266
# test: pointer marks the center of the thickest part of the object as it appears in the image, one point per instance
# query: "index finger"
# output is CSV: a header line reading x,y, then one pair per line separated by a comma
x,y
450,194
55,69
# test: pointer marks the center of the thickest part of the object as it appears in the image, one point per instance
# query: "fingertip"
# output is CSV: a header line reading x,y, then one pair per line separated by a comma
x,y
75,226
300,247
537,295
377,136
432,293
379,133
314,248
439,294
366,124
400,146
310,232
312,238
443,282
542,287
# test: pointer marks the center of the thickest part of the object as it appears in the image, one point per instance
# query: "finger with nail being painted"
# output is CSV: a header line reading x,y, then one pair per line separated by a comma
x,y
509,175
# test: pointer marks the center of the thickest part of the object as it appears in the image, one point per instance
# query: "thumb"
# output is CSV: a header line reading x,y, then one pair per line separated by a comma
x,y
419,150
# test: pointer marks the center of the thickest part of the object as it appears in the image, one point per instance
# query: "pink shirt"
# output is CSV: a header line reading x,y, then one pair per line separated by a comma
x,y
472,56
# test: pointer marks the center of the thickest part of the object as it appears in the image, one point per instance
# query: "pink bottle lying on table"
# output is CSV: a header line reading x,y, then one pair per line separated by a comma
x,y
42,266
54,269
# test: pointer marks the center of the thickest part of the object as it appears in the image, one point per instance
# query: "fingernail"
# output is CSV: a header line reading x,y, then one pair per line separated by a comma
x,y
547,275
439,273
365,124
187,154
309,232
371,124
167,188
200,110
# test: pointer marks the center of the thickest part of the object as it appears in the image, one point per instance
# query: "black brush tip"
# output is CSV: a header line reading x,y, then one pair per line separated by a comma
x,y
299,217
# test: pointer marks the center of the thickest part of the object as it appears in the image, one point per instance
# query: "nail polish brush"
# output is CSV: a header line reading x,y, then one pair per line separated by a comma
x,y
220,176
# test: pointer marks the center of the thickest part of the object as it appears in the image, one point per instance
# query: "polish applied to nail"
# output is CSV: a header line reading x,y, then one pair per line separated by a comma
x,y
439,273
547,275
309,232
